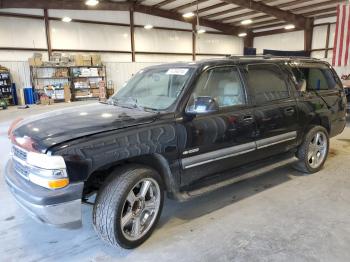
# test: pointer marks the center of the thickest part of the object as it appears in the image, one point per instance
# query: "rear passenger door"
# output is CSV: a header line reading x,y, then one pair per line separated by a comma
x,y
275,109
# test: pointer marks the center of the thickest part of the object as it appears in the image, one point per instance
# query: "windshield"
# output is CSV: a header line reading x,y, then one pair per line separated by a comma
x,y
156,89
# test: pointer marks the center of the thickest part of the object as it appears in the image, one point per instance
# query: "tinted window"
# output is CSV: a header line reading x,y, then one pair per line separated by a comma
x,y
267,83
314,77
223,84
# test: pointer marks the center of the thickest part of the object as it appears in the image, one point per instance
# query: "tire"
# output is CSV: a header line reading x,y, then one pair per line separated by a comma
x,y
114,203
312,154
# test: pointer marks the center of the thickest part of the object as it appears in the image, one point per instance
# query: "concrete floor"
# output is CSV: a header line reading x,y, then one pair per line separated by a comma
x,y
279,216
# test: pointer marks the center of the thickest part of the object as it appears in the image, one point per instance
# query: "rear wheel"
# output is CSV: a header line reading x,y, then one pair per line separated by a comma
x,y
128,207
314,150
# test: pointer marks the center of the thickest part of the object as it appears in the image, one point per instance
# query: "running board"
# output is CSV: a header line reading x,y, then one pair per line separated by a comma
x,y
239,175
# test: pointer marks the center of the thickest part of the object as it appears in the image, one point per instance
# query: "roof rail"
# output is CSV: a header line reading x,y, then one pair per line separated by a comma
x,y
270,57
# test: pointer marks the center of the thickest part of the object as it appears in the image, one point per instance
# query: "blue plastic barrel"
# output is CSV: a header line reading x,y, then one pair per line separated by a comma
x,y
14,94
28,96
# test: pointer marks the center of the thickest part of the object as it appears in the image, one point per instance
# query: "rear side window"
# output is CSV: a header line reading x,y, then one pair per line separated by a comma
x,y
267,83
312,77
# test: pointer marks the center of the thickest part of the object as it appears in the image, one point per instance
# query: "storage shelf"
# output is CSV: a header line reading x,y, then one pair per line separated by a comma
x,y
70,79
75,77
51,77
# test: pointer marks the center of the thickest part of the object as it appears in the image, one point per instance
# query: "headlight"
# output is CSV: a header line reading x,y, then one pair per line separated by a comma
x,y
47,171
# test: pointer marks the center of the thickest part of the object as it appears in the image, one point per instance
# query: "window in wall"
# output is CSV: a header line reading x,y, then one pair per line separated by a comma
x,y
267,83
223,84
315,77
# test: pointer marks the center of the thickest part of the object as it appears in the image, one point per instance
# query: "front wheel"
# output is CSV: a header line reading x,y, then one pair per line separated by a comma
x,y
128,207
313,151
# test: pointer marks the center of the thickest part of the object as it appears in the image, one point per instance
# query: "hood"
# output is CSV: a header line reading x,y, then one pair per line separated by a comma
x,y
40,132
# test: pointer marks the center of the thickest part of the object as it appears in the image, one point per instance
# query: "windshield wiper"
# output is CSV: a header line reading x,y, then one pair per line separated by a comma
x,y
131,103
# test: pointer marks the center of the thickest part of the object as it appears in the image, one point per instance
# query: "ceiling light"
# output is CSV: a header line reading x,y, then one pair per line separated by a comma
x,y
246,22
91,2
66,19
201,31
288,27
188,15
148,26
242,34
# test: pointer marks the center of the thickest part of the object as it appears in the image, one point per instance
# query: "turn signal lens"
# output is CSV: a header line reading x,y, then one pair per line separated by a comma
x,y
59,183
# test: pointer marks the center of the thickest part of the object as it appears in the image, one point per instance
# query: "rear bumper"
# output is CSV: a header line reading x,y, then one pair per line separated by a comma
x,y
60,207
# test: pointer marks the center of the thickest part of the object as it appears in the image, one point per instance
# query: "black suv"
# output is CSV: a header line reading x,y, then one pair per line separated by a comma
x,y
184,129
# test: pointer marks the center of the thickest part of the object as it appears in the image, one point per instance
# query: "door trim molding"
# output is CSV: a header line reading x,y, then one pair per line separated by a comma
x,y
266,142
217,155
220,154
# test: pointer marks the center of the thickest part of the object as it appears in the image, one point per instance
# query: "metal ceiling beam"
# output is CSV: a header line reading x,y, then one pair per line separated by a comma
x,y
298,20
236,9
64,4
228,29
163,3
279,6
205,9
288,4
192,3
116,6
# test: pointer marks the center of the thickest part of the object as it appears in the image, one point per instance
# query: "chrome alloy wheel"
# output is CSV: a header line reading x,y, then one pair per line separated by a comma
x,y
140,209
317,149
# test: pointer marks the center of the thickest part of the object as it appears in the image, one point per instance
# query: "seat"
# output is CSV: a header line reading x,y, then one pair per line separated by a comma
x,y
229,94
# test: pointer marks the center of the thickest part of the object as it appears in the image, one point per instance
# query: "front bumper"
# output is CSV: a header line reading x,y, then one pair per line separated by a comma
x,y
60,207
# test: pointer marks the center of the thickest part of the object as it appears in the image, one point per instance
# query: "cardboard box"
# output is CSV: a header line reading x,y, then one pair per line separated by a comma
x,y
96,60
31,61
86,60
78,60
38,61
35,62
44,100
81,93
67,93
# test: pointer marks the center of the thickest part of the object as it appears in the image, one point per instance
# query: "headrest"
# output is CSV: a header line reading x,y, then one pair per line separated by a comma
x,y
230,88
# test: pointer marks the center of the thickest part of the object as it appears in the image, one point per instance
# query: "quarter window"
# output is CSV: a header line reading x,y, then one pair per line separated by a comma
x,y
267,83
312,77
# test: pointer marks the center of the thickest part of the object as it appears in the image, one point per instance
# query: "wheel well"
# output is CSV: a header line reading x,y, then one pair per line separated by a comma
x,y
321,121
155,161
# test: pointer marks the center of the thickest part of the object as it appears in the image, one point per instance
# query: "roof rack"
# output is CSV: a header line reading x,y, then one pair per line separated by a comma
x,y
270,57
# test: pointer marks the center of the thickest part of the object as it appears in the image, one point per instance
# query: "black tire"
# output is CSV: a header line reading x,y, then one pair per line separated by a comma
x,y
110,202
303,164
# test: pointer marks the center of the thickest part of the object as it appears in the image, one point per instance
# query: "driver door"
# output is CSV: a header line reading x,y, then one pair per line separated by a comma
x,y
222,137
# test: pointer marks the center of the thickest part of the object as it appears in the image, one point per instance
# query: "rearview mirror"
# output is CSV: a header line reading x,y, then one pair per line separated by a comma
x,y
202,105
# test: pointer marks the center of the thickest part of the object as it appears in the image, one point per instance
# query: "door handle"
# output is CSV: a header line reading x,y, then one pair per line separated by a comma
x,y
289,111
248,118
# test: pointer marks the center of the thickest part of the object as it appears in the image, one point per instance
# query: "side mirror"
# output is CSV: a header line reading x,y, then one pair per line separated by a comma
x,y
202,105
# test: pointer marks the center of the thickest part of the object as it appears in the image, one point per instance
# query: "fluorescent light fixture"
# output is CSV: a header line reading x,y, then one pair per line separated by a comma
x,y
148,26
201,31
247,22
66,19
242,34
188,15
288,27
91,2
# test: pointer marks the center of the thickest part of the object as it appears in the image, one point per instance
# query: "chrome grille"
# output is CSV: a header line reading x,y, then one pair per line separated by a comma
x,y
19,153
20,168
19,157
